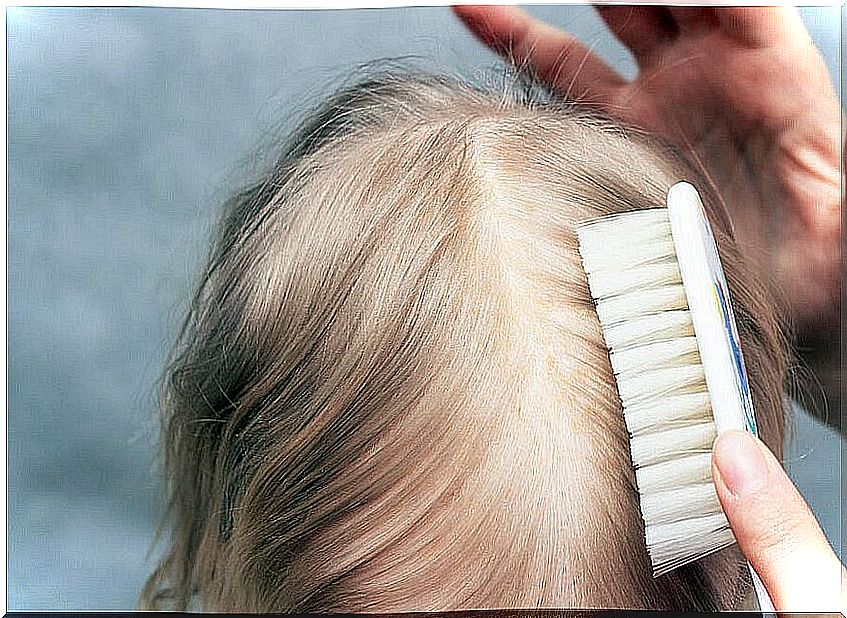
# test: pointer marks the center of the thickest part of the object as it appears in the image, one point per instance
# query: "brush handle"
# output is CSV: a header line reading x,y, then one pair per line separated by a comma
x,y
765,603
710,305
714,324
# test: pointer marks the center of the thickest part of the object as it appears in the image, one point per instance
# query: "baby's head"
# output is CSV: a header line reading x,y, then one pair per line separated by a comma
x,y
392,392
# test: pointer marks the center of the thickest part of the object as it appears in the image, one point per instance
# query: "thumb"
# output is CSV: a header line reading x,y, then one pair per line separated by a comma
x,y
774,527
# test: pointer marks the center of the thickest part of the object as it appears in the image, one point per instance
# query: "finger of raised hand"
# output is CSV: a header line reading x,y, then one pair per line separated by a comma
x,y
554,56
641,28
762,26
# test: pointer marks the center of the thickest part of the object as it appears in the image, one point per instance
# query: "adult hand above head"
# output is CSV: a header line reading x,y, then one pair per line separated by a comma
x,y
775,529
745,94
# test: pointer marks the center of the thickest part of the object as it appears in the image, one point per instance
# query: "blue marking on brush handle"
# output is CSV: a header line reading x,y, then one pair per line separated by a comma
x,y
738,360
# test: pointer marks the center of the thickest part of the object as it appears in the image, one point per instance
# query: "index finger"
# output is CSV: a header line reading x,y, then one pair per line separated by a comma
x,y
556,58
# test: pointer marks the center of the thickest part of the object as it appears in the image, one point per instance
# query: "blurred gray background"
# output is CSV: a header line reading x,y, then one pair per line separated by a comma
x,y
126,128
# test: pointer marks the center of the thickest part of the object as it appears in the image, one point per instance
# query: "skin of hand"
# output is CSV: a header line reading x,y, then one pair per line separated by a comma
x,y
775,529
745,95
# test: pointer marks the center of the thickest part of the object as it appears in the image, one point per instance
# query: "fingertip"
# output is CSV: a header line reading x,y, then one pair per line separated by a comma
x,y
728,442
497,26
466,11
725,446
483,13
740,462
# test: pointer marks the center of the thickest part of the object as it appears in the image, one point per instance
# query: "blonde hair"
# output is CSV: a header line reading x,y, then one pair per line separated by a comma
x,y
391,392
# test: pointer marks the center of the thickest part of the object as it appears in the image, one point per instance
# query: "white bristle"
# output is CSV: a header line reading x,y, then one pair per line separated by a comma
x,y
665,507
638,291
613,309
626,279
662,444
644,329
671,545
651,386
674,472
672,409
655,355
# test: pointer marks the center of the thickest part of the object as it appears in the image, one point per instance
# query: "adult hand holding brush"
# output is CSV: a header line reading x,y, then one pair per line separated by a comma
x,y
775,528
745,95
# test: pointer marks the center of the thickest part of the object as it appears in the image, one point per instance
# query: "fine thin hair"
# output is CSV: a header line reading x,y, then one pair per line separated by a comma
x,y
391,392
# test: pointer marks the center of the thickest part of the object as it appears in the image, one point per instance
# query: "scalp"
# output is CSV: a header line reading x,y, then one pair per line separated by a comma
x,y
425,417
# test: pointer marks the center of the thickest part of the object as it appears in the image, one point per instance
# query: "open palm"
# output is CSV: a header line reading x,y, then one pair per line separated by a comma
x,y
744,93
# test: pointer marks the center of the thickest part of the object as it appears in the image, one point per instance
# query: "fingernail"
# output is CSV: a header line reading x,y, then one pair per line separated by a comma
x,y
741,462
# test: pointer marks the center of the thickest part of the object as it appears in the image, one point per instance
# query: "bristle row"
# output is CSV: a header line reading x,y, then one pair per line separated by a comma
x,y
635,282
